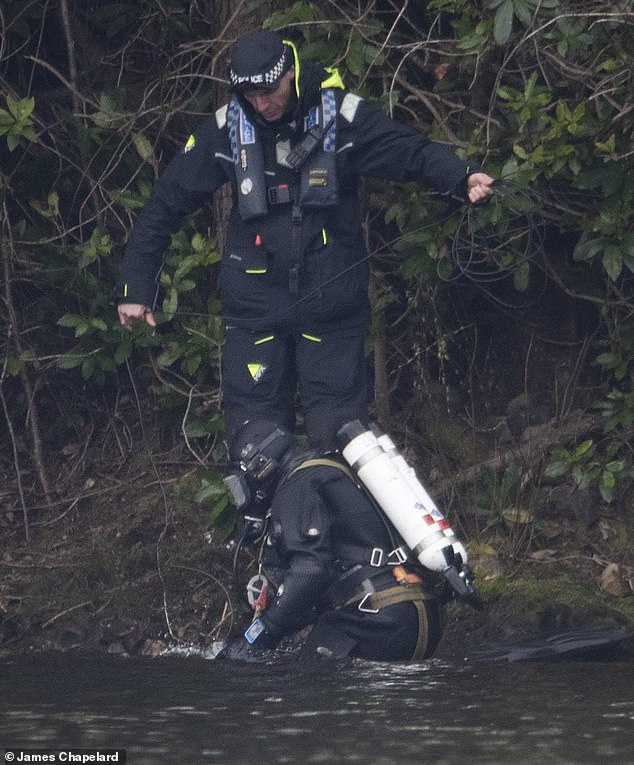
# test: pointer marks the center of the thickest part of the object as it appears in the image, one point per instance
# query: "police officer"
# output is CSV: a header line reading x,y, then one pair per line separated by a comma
x,y
335,559
293,144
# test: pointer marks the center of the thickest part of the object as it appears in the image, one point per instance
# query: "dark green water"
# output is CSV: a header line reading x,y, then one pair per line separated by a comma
x,y
191,710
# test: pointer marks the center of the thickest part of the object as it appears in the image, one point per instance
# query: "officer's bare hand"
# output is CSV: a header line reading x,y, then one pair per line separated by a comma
x,y
129,313
479,187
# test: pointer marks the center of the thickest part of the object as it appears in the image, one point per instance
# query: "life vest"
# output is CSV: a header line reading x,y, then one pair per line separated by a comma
x,y
317,186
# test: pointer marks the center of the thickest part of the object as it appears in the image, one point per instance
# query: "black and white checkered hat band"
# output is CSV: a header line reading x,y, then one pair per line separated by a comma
x,y
261,79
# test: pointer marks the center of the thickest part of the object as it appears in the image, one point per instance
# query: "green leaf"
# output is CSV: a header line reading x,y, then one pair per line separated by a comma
x,y
82,327
609,360
586,250
87,368
170,304
144,148
69,320
198,242
355,58
70,361
613,262
14,365
583,448
503,22
627,250
606,485
209,490
556,469
192,364
225,521
521,277
6,121
523,11
122,352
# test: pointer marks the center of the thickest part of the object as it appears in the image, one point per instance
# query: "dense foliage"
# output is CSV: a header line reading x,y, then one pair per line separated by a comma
x,y
96,97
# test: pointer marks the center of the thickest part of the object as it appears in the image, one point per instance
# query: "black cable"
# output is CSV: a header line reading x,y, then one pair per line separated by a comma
x,y
494,239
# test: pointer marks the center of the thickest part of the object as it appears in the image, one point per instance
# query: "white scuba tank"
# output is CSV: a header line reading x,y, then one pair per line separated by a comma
x,y
394,485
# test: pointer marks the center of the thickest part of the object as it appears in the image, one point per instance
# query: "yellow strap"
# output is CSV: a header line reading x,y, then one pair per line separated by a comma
x,y
323,462
296,63
333,81
415,595
398,594
423,632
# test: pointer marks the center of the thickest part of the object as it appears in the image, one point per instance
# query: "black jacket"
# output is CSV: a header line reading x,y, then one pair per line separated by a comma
x,y
322,524
334,273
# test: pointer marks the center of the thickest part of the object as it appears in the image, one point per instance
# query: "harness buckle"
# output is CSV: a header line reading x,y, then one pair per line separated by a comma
x,y
400,556
367,610
376,557
279,195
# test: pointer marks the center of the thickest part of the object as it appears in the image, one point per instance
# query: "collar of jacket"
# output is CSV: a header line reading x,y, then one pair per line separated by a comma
x,y
311,76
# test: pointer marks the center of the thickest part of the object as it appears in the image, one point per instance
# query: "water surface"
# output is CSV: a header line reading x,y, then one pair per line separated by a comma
x,y
192,710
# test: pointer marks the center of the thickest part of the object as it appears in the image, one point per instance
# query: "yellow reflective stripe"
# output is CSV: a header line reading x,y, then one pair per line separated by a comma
x,y
324,236
334,81
255,270
311,337
295,62
264,340
125,290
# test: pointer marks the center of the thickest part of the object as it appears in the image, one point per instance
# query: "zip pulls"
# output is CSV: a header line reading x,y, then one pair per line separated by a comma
x,y
294,269
259,242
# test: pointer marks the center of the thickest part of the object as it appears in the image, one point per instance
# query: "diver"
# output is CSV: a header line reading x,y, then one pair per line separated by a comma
x,y
331,557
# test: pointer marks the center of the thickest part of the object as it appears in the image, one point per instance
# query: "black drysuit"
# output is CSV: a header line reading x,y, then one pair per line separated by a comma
x,y
279,338
334,549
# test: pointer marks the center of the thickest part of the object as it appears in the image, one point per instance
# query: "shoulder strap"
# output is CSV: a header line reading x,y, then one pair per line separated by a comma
x,y
323,462
248,162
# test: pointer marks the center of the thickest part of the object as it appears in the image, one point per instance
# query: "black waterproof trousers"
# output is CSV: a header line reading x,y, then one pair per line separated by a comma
x,y
262,372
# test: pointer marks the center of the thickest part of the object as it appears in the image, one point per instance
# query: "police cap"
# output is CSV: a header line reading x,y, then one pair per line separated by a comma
x,y
258,60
